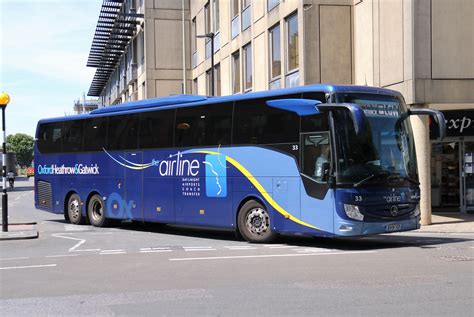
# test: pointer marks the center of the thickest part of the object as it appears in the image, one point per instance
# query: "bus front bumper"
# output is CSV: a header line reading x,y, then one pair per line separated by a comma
x,y
343,227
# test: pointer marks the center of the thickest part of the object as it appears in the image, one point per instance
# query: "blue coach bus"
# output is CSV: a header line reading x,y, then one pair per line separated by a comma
x,y
320,160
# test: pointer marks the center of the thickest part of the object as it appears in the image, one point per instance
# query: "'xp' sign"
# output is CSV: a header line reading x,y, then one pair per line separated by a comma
x,y
458,123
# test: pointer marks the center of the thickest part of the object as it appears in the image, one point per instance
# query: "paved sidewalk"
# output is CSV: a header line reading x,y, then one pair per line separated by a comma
x,y
20,231
450,222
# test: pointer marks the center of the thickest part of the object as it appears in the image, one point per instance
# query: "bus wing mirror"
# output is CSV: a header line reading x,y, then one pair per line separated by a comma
x,y
325,172
437,116
356,112
302,107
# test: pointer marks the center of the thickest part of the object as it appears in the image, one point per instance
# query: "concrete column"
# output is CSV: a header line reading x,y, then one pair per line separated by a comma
x,y
420,125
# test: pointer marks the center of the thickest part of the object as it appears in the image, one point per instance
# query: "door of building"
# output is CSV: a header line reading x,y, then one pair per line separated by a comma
x,y
467,186
445,177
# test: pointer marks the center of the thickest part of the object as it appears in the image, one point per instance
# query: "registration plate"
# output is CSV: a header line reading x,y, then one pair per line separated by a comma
x,y
393,227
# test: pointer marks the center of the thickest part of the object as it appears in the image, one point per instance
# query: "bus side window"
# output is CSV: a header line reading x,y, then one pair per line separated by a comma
x,y
257,123
203,125
156,129
95,133
316,152
49,137
73,132
122,132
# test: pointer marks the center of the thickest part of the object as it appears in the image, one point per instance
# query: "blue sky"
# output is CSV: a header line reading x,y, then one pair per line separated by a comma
x,y
43,55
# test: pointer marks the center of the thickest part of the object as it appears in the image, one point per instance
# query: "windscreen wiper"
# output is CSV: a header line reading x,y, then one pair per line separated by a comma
x,y
372,176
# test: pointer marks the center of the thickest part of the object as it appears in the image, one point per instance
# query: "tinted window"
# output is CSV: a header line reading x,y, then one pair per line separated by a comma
x,y
73,132
206,125
321,96
313,123
156,129
49,137
95,133
316,122
257,123
122,132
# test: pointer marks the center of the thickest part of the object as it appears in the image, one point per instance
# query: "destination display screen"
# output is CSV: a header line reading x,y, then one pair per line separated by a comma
x,y
374,108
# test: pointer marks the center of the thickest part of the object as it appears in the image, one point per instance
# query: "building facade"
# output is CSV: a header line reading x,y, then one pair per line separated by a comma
x,y
84,105
140,50
422,48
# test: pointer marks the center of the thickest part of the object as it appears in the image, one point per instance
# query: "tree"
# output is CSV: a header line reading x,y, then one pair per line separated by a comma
x,y
22,145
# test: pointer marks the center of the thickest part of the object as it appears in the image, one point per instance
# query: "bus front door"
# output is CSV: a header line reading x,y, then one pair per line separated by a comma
x,y
134,187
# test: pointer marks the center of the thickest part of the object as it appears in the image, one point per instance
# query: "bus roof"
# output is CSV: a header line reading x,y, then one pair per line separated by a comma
x,y
195,100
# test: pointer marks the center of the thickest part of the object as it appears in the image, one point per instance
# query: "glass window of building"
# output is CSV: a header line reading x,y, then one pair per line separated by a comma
x,y
235,21
215,18
217,79
193,43
208,83
247,52
141,46
207,19
234,8
272,4
292,76
236,72
193,35
195,86
207,29
275,57
246,14
292,42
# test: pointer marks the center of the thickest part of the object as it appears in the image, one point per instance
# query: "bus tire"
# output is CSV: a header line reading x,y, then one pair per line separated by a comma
x,y
96,212
73,213
254,223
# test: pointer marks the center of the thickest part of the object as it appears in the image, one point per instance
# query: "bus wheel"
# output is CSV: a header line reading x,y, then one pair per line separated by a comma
x,y
96,212
254,223
74,214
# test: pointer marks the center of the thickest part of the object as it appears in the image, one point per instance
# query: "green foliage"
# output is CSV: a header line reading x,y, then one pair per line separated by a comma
x,y
22,145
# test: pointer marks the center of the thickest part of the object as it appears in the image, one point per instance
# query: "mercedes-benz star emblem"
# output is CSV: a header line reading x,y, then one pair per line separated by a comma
x,y
394,210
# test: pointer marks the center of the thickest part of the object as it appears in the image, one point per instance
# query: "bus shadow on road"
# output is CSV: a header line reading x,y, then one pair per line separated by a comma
x,y
197,232
388,241
391,241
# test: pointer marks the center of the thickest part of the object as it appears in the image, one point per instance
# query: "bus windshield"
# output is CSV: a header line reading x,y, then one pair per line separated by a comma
x,y
383,152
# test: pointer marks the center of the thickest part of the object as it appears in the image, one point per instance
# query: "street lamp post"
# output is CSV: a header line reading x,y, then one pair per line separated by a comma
x,y
211,36
4,100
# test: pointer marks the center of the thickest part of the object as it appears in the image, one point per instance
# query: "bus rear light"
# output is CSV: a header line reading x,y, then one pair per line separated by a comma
x,y
353,212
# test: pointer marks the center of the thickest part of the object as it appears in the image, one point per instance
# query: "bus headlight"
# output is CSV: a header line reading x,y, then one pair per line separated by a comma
x,y
353,212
